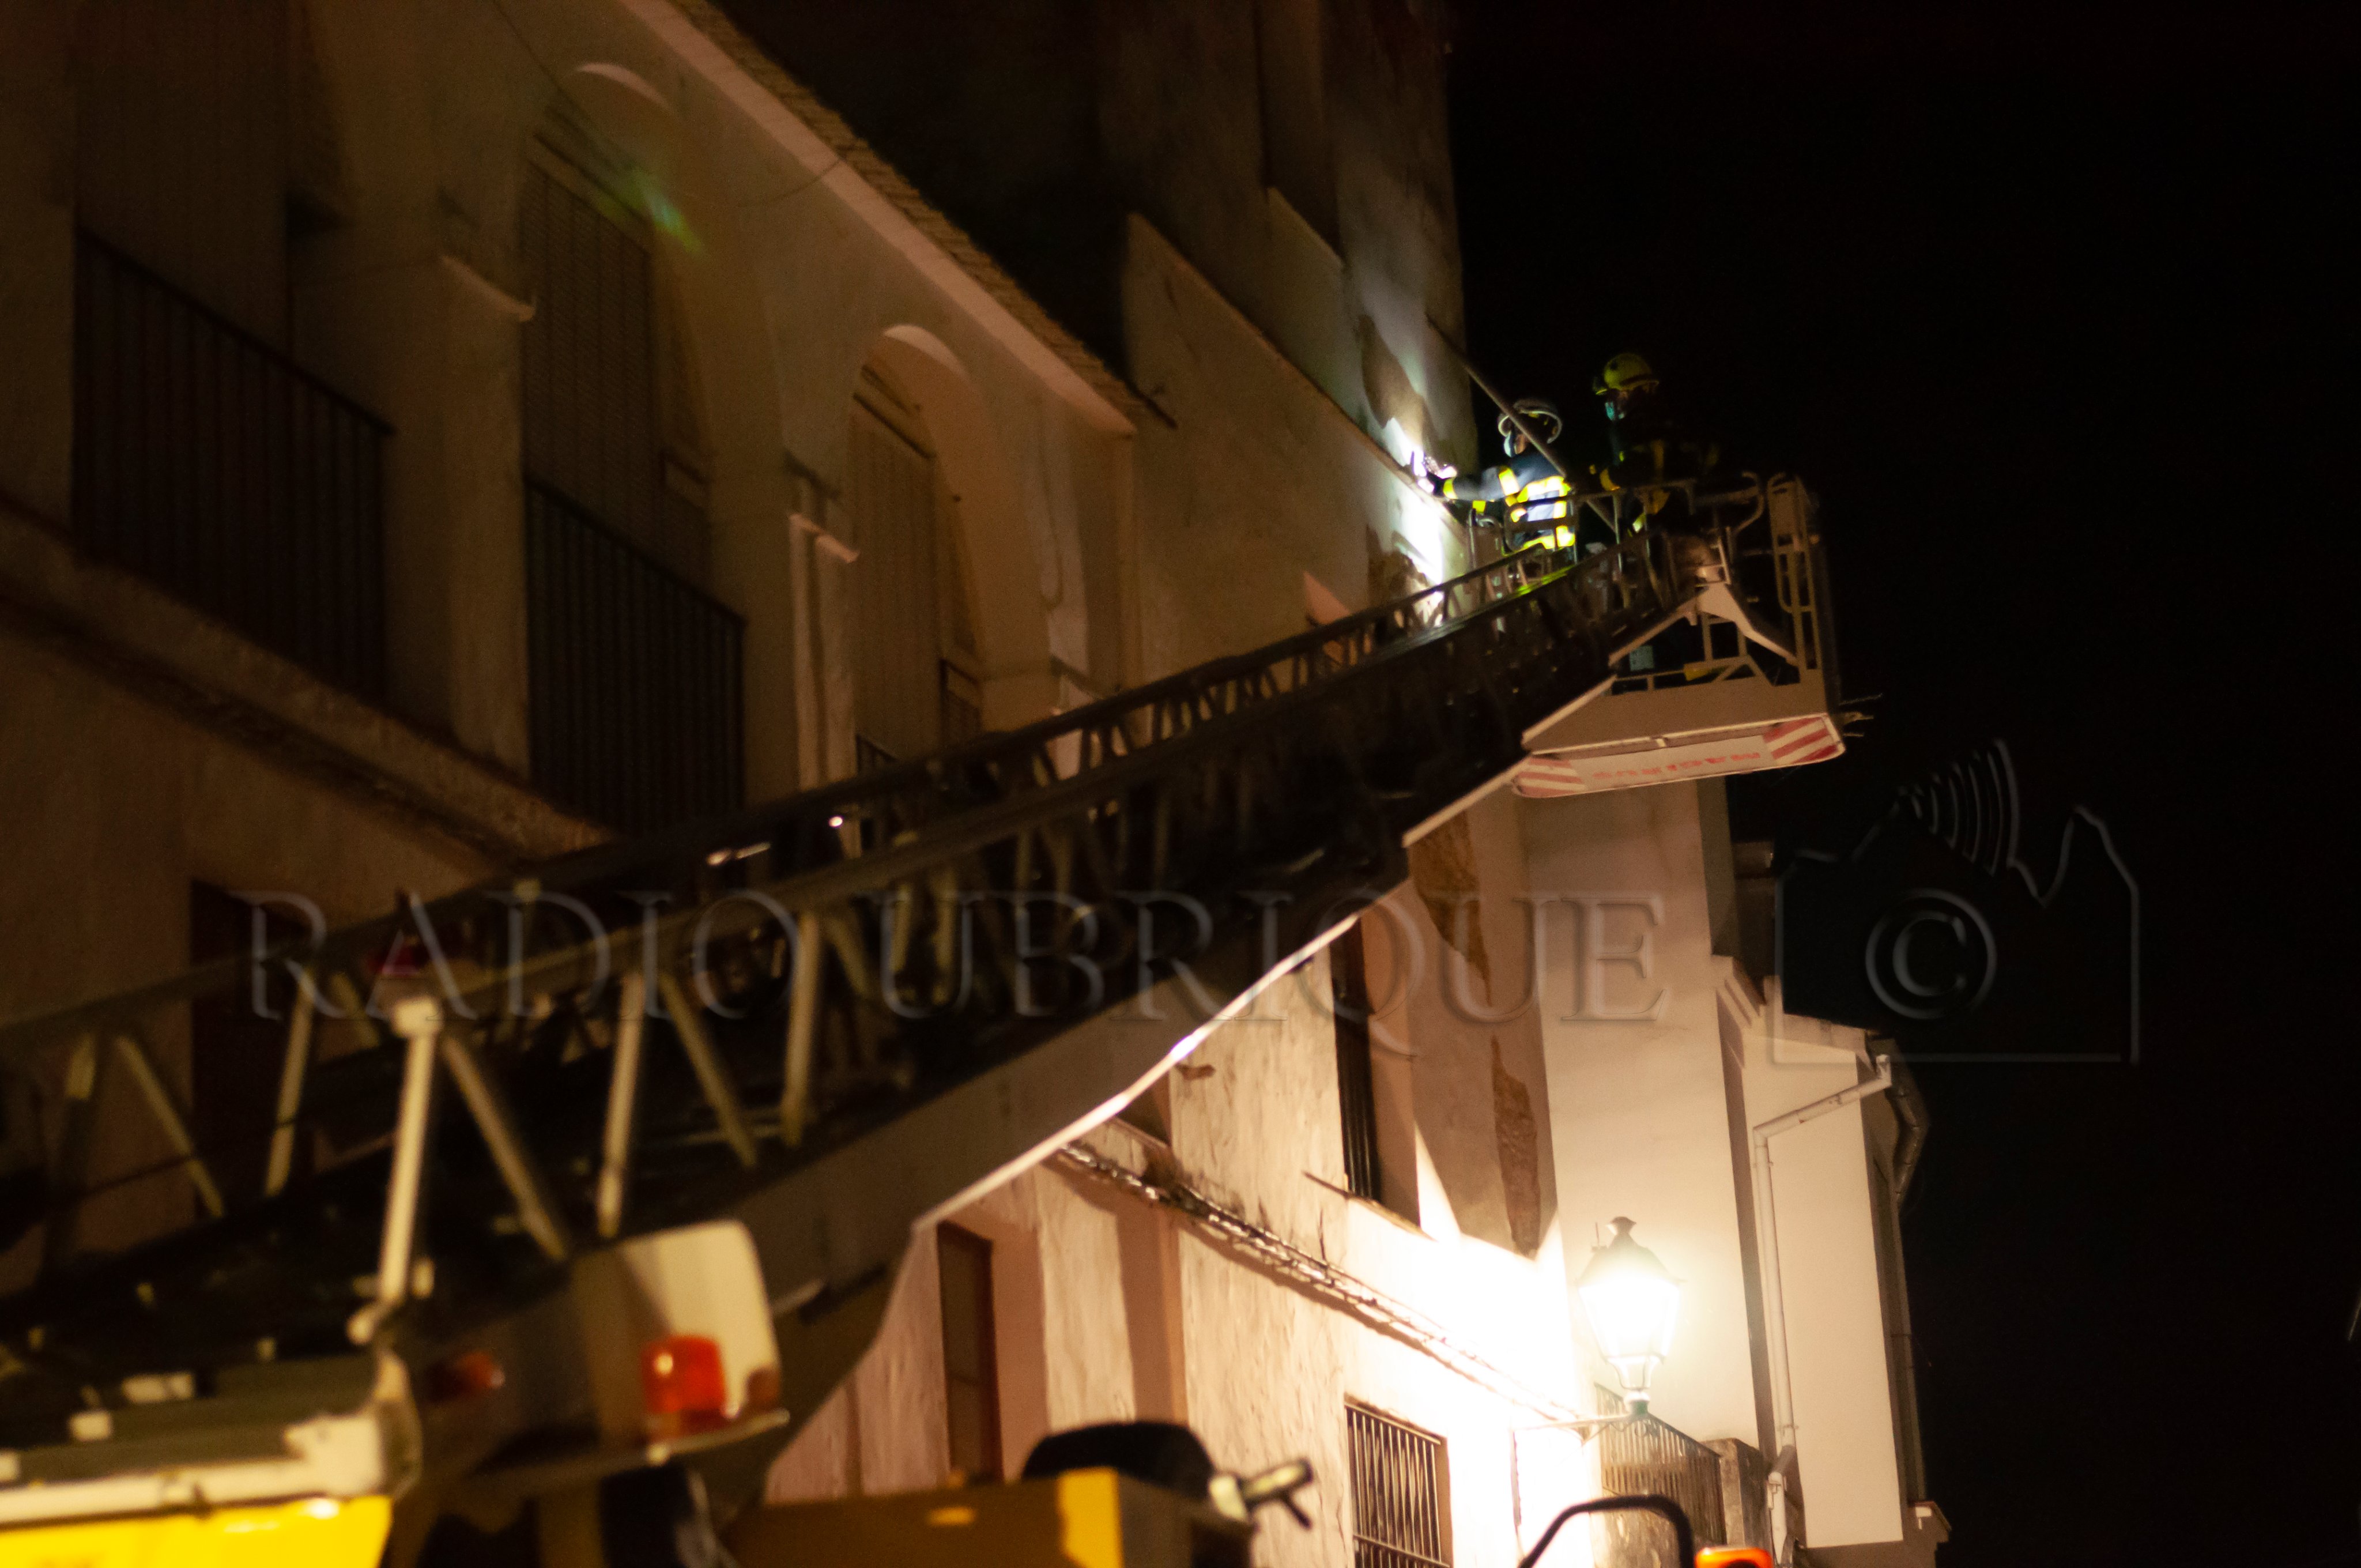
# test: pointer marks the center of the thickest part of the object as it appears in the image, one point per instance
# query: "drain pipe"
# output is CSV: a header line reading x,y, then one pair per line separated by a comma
x,y
1766,1210
1910,1110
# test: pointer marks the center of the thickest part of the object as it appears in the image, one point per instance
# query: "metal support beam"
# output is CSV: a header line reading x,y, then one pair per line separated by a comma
x,y
711,1076
803,1017
292,1071
622,1102
1522,425
166,1113
418,1021
489,1108
85,1071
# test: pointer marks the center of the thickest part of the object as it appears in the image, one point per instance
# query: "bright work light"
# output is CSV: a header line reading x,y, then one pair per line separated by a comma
x,y
1630,1301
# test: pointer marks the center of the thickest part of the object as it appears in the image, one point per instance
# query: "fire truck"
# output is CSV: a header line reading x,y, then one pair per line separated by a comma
x,y
549,1219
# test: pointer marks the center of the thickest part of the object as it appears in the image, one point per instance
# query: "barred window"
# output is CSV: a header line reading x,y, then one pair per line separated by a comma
x,y
609,416
1398,1492
636,671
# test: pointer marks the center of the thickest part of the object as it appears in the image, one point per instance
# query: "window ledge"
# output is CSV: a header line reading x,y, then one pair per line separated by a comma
x,y
147,642
1373,1206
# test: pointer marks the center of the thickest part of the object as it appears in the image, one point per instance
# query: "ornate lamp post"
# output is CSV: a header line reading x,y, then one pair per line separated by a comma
x,y
1630,1300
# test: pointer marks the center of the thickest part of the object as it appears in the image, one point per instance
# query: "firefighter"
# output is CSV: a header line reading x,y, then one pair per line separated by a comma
x,y
1645,448
1525,494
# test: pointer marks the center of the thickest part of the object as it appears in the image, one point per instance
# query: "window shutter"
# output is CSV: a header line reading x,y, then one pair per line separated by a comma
x,y
897,639
591,420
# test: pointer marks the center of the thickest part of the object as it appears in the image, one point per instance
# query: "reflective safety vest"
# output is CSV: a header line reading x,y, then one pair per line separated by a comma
x,y
1526,486
1546,499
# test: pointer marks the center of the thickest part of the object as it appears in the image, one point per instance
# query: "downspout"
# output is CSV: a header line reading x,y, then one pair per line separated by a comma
x,y
1910,1112
1766,1208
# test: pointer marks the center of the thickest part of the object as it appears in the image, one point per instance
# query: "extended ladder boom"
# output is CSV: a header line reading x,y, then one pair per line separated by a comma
x,y
828,1020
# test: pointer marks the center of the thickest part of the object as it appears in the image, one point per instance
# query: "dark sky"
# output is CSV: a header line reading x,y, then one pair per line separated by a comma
x,y
2055,311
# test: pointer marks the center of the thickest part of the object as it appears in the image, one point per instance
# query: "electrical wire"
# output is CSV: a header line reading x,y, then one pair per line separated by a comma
x,y
1365,1301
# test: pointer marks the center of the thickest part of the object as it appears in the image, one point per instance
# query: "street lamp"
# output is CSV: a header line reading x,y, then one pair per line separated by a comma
x,y
1631,1301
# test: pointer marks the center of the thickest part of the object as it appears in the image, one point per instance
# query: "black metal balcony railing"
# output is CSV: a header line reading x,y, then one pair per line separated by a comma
x,y
1645,1455
210,465
635,676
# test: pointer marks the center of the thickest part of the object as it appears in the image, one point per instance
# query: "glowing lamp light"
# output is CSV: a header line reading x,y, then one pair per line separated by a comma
x,y
681,1376
1631,1301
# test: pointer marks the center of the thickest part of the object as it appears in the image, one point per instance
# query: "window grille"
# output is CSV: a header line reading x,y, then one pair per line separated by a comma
x,y
635,671
635,676
209,463
1398,1474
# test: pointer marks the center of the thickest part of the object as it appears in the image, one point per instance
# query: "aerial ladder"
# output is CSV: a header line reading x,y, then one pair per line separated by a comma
x,y
606,1169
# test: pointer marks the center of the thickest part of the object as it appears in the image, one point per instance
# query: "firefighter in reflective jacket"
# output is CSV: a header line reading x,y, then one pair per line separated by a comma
x,y
1644,447
1525,493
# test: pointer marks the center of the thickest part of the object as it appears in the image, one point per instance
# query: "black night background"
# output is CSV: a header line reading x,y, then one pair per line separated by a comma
x,y
2055,311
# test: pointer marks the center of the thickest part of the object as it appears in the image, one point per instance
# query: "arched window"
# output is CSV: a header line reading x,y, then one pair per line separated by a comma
x,y
634,669
610,420
917,678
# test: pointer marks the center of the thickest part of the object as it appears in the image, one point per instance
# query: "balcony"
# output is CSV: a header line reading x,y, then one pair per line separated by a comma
x,y
210,465
1704,697
1643,1456
635,676
1720,1486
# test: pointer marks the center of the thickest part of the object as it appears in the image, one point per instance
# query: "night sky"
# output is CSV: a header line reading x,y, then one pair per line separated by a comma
x,y
2055,311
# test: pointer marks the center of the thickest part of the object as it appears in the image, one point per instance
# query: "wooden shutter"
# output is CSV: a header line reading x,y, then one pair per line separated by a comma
x,y
180,155
896,634
592,428
1357,1093
970,1359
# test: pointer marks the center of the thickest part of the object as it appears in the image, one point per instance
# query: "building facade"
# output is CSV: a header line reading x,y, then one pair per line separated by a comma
x,y
437,437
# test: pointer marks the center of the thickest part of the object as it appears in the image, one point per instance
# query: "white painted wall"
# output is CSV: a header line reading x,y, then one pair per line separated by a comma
x,y
1086,1307
1639,1115
1835,1328
1651,1118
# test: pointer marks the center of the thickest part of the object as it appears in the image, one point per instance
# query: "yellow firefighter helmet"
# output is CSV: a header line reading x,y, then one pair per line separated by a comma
x,y
1625,372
